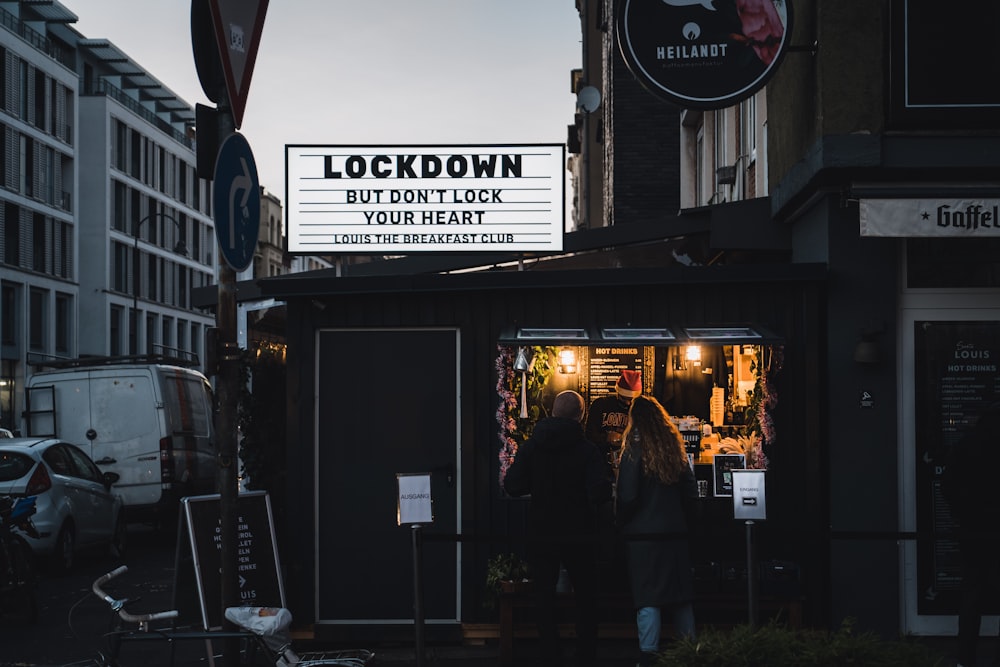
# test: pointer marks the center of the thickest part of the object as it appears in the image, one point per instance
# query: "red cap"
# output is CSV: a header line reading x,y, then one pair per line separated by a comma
x,y
629,385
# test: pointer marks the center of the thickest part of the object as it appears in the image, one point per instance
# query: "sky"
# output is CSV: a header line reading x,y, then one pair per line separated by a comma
x,y
373,71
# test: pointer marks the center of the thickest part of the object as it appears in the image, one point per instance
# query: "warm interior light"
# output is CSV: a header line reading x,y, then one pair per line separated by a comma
x,y
693,353
567,360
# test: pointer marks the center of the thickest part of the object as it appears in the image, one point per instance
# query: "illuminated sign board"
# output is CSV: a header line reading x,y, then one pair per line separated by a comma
x,y
391,200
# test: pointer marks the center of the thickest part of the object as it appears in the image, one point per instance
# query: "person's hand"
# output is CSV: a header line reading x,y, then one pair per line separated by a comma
x,y
762,27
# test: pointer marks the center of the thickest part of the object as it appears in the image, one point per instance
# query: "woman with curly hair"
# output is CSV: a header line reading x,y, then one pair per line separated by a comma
x,y
656,497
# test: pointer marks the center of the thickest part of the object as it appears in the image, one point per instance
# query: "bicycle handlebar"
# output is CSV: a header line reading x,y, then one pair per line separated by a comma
x,y
118,606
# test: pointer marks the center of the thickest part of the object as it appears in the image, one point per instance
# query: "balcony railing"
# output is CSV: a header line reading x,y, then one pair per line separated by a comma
x,y
102,87
37,40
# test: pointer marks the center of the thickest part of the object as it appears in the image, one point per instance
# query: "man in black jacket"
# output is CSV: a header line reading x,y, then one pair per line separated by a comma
x,y
567,478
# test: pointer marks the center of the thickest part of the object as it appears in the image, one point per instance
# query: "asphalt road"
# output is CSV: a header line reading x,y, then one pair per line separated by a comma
x,y
72,621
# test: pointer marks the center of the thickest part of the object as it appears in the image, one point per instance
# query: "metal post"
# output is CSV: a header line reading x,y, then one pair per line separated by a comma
x,y
418,594
751,576
227,391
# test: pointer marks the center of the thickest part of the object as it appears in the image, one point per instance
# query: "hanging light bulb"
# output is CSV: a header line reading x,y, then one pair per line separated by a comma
x,y
567,360
693,353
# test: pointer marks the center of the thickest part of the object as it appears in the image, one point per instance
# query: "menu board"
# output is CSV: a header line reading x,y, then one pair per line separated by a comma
x,y
258,574
607,364
955,379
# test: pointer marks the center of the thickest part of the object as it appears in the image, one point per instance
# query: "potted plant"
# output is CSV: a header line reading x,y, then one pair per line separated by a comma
x,y
504,572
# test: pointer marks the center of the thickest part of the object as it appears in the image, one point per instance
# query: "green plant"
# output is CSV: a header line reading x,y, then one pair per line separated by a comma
x,y
776,645
501,568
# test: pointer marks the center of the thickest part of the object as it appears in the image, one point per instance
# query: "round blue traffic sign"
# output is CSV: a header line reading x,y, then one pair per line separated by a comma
x,y
236,201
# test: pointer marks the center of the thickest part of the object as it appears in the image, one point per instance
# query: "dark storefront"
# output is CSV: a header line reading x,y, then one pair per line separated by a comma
x,y
399,374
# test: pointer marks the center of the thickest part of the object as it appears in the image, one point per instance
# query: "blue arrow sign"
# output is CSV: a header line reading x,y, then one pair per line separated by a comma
x,y
236,202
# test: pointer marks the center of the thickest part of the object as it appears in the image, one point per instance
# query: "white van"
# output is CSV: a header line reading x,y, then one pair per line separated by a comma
x,y
149,422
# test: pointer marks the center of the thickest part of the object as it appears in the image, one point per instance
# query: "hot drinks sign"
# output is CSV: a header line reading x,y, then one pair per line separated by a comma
x,y
408,199
703,54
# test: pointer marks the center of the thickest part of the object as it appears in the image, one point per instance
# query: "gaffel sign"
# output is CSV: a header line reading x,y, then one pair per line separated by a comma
x,y
408,199
703,54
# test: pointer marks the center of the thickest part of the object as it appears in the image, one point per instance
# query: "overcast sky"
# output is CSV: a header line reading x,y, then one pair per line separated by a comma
x,y
373,71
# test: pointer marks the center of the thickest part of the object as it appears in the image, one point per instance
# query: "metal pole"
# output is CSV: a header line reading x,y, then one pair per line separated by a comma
x,y
418,594
751,576
227,391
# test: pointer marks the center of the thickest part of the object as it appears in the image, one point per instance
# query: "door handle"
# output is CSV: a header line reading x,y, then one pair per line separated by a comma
x,y
449,473
106,460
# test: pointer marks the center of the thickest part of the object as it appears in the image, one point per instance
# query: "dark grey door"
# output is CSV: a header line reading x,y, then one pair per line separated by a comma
x,y
387,403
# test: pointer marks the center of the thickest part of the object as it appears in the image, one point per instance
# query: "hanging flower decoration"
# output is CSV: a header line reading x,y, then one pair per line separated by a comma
x,y
506,407
763,401
515,428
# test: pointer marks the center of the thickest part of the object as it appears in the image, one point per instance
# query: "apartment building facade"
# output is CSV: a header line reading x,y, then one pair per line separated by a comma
x,y
106,226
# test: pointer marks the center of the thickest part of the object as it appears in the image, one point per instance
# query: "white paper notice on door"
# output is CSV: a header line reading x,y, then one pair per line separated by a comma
x,y
414,503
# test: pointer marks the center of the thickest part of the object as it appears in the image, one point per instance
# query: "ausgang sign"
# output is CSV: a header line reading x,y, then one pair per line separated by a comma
x,y
410,199
704,54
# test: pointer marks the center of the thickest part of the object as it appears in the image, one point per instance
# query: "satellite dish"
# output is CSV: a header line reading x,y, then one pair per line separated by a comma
x,y
588,99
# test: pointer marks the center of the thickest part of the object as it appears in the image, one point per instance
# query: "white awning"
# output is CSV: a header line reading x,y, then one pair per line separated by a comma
x,y
953,218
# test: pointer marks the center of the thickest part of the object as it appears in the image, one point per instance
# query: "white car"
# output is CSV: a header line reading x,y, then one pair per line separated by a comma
x,y
5,433
77,508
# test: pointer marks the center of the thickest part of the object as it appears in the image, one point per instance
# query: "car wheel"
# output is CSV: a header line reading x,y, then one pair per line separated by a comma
x,y
119,541
65,552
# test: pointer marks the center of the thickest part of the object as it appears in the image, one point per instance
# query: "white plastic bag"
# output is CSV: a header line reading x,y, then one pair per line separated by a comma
x,y
264,621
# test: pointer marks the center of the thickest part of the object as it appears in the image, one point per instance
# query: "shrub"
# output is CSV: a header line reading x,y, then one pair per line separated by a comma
x,y
776,645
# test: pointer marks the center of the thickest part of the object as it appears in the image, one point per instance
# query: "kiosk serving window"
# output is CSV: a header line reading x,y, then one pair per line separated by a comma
x,y
716,382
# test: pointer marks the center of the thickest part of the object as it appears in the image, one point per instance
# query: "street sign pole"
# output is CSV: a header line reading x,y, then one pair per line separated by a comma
x,y
227,391
237,25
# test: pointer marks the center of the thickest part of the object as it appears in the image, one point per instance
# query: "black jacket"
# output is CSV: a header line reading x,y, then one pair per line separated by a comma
x,y
566,476
655,518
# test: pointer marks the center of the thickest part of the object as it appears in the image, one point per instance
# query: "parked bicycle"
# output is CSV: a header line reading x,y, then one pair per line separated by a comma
x,y
263,638
18,578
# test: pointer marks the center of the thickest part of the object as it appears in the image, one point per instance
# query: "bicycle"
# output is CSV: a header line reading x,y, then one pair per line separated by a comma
x,y
17,568
263,639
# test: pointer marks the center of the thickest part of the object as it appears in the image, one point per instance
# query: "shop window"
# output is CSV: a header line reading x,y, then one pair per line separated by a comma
x,y
951,263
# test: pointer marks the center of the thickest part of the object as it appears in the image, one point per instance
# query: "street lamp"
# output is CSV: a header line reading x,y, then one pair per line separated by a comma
x,y
180,248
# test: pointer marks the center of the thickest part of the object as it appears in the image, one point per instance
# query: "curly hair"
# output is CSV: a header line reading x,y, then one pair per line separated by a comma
x,y
660,444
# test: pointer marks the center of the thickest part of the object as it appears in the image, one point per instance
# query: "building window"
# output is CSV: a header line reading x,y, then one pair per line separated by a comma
x,y
700,166
7,384
38,242
63,319
167,325
39,100
36,320
119,267
952,263
120,148
12,234
8,315
721,136
22,106
115,330
135,163
27,184
150,328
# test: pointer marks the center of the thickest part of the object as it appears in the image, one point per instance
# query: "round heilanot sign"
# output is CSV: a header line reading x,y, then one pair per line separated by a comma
x,y
704,54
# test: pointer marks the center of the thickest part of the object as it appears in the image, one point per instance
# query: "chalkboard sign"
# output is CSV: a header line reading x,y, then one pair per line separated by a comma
x,y
257,566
